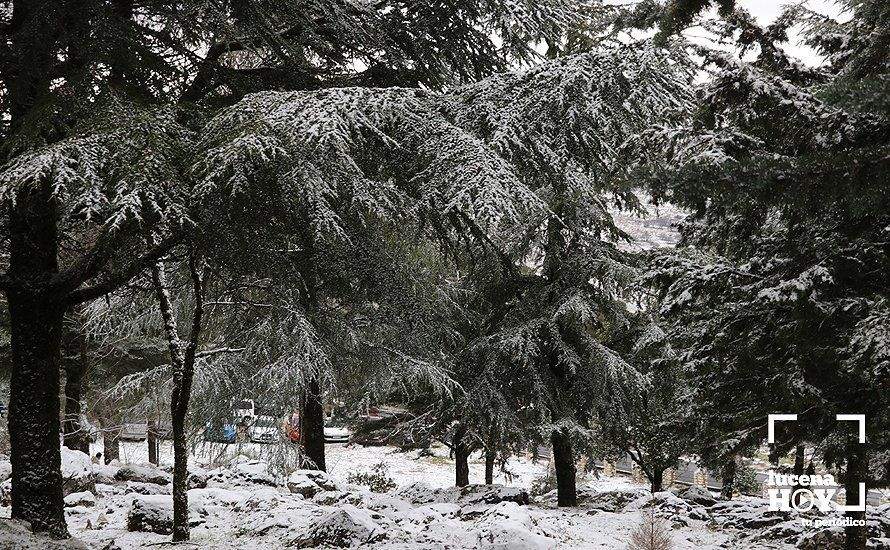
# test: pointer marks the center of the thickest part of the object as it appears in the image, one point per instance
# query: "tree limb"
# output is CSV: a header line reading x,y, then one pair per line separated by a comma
x,y
119,278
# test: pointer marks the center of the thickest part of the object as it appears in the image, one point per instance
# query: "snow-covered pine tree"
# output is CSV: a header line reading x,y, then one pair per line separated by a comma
x,y
654,429
101,189
563,125
787,178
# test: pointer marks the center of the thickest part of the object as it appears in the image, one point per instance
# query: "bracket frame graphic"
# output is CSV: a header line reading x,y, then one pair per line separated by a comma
x,y
858,418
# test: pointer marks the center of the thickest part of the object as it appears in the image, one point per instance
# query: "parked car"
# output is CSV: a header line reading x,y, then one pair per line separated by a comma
x,y
265,429
337,434
219,432
244,410
335,428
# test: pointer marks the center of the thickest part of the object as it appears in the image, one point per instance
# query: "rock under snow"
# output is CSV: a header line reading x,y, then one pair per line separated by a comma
x,y
143,473
611,501
84,498
310,482
470,495
77,472
5,468
347,526
698,495
746,514
508,526
154,513
141,488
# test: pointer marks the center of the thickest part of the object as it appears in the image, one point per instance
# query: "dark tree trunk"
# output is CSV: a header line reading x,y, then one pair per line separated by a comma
x,y
489,467
35,333
461,456
184,370
799,465
856,536
564,463
75,436
727,478
312,432
111,449
656,481
178,409
151,437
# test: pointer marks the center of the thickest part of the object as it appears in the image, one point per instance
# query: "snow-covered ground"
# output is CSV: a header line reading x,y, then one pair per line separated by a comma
x,y
239,502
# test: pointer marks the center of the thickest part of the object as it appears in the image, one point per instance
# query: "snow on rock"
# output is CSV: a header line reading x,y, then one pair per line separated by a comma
x,y
331,498
508,526
17,535
141,488
788,531
827,539
105,472
670,506
608,501
77,472
108,489
143,473
492,494
84,498
470,495
154,513
698,495
344,527
310,482
5,468
6,493
240,473
751,513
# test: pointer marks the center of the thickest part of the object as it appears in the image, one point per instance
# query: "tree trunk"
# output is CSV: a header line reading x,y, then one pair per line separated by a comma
x,y
564,464
183,373
856,536
799,465
110,443
35,333
312,430
489,467
75,436
727,477
151,437
178,409
656,482
461,457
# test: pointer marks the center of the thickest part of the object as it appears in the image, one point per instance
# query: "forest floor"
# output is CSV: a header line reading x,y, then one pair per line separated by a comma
x,y
239,501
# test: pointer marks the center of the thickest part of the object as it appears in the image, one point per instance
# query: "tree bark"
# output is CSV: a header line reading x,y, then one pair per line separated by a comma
x,y
111,449
799,465
461,456
489,467
151,437
856,536
564,464
183,373
656,482
75,436
727,478
36,338
312,429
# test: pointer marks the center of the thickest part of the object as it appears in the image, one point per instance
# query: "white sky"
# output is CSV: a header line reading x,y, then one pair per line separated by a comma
x,y
767,10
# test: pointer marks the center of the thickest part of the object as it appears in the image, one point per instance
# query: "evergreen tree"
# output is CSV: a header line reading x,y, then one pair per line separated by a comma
x,y
786,175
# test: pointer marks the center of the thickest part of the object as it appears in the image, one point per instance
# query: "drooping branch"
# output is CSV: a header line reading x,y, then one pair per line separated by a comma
x,y
118,278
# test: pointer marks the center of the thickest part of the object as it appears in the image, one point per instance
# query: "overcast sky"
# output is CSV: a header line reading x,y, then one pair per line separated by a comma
x,y
767,10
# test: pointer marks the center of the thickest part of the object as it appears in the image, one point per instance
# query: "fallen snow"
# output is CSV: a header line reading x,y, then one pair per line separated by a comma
x,y
238,501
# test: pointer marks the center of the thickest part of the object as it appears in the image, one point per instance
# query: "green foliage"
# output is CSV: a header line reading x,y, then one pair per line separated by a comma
x,y
377,480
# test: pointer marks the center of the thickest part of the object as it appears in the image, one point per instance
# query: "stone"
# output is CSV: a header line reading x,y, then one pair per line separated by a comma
x,y
84,498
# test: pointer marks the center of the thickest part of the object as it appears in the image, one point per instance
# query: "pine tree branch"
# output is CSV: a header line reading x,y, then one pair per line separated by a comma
x,y
119,278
